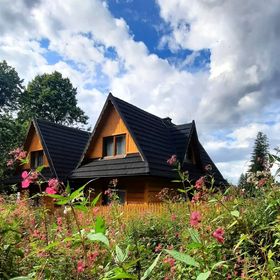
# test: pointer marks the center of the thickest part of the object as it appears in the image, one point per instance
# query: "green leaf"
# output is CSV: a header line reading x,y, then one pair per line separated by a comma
x,y
77,193
120,254
68,188
181,190
62,201
81,208
231,225
98,237
182,258
100,225
52,245
122,275
93,203
219,264
21,278
203,276
194,245
57,196
150,269
235,213
40,168
194,235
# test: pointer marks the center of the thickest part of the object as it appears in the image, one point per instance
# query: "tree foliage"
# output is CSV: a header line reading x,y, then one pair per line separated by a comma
x,y
10,88
259,158
48,96
51,97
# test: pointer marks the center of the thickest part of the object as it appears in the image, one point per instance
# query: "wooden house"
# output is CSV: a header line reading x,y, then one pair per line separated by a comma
x,y
57,147
133,146
127,143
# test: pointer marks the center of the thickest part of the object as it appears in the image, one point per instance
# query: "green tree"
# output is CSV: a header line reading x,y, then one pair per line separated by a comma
x,y
10,88
259,160
12,133
242,181
51,97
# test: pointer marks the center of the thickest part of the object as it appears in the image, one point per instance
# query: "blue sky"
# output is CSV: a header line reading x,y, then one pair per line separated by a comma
x,y
212,61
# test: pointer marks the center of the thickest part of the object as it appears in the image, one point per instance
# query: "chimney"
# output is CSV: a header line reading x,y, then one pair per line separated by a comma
x,y
167,121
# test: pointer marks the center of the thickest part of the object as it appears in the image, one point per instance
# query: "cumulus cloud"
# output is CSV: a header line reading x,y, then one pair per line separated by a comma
x,y
238,96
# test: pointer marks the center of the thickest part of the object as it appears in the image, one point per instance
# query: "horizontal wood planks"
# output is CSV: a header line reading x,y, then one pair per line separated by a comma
x,y
111,124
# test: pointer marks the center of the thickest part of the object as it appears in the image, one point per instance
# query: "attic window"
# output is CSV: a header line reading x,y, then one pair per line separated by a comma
x,y
114,145
36,159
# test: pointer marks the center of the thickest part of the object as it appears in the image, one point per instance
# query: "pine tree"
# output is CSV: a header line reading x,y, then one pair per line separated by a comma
x,y
242,181
259,159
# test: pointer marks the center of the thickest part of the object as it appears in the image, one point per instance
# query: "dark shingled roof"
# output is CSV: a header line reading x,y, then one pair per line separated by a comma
x,y
132,164
62,145
156,138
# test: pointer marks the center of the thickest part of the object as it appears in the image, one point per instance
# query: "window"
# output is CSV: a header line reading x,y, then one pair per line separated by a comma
x,y
114,145
108,146
121,197
36,159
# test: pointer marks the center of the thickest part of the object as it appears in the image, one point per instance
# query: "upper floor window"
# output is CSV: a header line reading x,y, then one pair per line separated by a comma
x,y
36,159
114,145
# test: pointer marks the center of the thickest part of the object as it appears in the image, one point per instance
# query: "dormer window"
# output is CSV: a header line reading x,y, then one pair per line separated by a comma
x,y
36,159
114,145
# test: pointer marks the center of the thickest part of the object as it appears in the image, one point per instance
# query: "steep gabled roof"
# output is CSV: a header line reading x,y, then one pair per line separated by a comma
x,y
156,139
62,145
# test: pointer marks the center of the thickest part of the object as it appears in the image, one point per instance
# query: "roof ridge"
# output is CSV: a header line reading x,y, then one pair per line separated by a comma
x,y
61,125
134,106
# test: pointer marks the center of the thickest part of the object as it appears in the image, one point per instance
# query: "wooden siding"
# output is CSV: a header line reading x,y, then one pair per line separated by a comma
x,y
33,144
110,125
139,190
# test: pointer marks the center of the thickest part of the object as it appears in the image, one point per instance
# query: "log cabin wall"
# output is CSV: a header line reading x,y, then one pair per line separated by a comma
x,y
33,143
110,125
138,190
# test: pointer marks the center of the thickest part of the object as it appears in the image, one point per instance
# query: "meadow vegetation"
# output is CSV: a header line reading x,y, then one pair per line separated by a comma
x,y
211,234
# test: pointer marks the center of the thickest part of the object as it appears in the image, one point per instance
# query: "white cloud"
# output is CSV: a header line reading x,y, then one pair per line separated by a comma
x,y
238,97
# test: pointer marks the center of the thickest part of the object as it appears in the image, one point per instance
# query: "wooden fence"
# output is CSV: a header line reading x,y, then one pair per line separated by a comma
x,y
130,211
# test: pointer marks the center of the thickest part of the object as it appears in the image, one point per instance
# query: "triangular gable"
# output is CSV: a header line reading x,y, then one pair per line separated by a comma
x,y
110,105
35,142
111,124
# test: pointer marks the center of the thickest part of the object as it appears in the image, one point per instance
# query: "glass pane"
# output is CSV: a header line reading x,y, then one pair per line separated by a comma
x,y
121,195
120,145
40,158
108,146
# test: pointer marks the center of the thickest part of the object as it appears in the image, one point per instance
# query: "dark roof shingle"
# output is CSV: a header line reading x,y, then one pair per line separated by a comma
x,y
63,146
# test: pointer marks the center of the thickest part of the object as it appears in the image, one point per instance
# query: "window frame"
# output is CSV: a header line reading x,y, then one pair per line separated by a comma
x,y
114,145
34,158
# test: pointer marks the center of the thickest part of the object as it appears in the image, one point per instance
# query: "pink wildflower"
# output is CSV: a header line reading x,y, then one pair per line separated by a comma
x,y
21,155
218,234
199,183
170,261
26,180
24,175
50,190
59,221
53,183
10,163
197,196
195,218
158,248
93,256
173,217
261,182
80,266
172,160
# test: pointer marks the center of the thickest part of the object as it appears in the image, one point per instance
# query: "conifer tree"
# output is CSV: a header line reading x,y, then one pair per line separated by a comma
x,y
259,158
